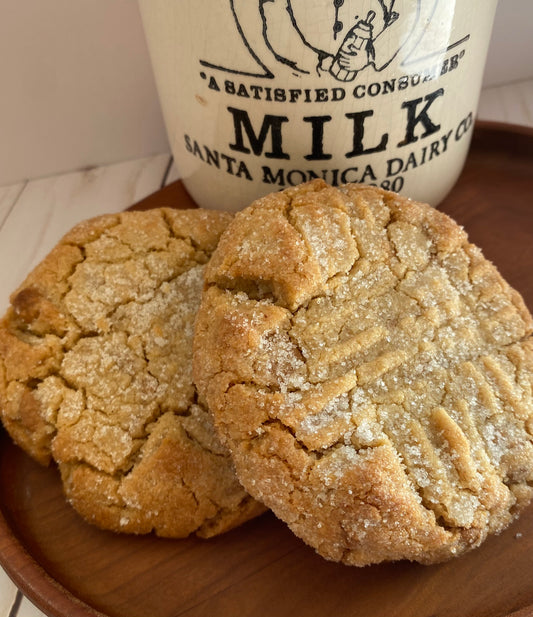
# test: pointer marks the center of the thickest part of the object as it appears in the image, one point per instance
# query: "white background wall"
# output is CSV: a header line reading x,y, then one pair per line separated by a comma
x,y
76,87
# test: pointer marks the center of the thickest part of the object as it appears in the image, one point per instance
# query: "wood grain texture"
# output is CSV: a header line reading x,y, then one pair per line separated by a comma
x,y
508,103
69,568
8,598
8,198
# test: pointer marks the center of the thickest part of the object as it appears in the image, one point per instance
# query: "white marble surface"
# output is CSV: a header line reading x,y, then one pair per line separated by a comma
x,y
34,215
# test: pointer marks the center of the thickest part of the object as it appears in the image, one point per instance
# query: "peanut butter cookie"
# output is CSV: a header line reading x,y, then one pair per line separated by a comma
x,y
371,373
95,373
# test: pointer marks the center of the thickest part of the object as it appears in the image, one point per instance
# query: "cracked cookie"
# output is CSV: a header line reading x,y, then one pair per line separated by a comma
x,y
95,373
371,373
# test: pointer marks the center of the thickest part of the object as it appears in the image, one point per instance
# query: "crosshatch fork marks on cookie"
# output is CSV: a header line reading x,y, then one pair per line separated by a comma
x,y
414,315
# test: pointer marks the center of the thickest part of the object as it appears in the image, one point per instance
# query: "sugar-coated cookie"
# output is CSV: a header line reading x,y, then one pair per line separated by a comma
x,y
95,373
371,373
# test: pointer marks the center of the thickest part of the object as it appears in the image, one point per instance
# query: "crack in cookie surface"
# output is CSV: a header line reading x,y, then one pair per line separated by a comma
x,y
397,367
96,374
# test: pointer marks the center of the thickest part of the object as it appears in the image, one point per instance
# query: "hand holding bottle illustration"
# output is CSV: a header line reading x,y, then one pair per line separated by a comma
x,y
356,51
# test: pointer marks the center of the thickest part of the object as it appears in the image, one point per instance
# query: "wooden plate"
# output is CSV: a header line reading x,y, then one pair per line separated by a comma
x,y
70,569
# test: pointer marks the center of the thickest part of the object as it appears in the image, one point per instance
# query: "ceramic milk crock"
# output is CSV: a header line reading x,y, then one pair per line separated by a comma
x,y
258,95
